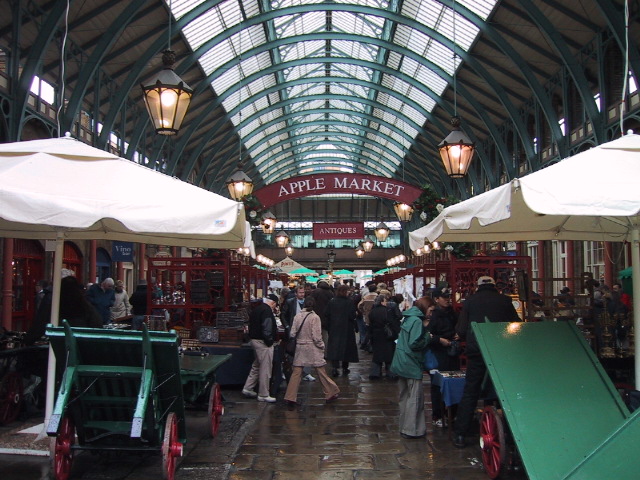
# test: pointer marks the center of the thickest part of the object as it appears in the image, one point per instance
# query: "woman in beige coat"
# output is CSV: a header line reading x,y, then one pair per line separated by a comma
x,y
309,353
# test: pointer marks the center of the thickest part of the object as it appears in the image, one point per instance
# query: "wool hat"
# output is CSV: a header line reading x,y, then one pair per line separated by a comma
x,y
485,279
441,292
273,298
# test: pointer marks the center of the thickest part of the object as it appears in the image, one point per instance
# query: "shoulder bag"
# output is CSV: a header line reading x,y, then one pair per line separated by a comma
x,y
290,348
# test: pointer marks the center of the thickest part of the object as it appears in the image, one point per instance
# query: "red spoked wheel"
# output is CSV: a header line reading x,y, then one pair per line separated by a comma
x,y
171,447
10,397
62,449
492,441
216,408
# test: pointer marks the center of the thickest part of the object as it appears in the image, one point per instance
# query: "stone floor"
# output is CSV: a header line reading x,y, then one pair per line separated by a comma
x,y
354,438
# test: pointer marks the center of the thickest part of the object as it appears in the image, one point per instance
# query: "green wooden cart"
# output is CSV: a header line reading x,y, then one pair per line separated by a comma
x,y
122,390
564,414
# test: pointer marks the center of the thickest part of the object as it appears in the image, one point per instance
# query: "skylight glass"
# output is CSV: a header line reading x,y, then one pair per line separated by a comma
x,y
388,110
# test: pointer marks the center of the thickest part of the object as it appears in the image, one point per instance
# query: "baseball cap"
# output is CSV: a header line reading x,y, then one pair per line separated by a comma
x,y
272,297
484,280
441,292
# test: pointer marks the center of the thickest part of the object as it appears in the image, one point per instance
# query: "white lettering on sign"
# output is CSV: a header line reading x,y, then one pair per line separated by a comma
x,y
338,230
123,250
366,185
317,185
299,186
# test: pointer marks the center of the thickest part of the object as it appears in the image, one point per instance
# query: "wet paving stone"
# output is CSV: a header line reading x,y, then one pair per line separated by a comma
x,y
355,438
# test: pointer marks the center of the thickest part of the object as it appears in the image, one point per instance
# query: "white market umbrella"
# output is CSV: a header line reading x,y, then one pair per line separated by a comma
x,y
287,265
594,195
61,188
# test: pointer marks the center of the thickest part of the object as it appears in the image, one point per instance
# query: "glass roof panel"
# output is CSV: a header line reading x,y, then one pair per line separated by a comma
x,y
366,25
297,50
399,121
181,7
293,25
351,49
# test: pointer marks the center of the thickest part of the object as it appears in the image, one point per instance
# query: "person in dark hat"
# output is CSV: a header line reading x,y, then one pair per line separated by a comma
x,y
262,334
487,304
443,324
321,296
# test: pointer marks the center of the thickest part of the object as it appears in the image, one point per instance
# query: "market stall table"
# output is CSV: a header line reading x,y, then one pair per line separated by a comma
x,y
451,386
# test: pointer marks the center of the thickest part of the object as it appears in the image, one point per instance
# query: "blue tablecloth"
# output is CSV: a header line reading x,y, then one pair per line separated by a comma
x,y
451,387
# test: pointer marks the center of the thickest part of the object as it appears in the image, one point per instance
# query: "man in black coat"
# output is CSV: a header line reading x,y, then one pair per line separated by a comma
x,y
138,301
487,304
262,332
322,294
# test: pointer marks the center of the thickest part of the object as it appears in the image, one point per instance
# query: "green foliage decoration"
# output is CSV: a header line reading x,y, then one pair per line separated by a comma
x,y
253,209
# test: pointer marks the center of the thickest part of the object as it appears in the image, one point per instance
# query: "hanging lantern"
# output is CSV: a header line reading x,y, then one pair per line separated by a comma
x,y
359,251
282,239
167,97
382,232
367,244
268,222
289,250
239,185
403,211
456,151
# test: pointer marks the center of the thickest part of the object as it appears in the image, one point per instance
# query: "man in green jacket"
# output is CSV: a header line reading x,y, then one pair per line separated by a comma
x,y
408,365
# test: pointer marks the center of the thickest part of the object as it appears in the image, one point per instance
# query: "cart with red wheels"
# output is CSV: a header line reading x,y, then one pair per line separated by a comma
x,y
199,382
558,410
118,390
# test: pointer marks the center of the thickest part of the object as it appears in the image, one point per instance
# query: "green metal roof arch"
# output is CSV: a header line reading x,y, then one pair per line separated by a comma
x,y
93,63
347,124
353,157
305,81
32,63
343,134
343,7
319,142
572,66
294,115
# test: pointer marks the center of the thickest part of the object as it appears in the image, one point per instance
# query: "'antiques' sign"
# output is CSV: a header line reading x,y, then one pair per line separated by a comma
x,y
330,231
348,183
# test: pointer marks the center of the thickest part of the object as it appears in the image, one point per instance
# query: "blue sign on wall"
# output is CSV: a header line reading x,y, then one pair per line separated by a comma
x,y
122,252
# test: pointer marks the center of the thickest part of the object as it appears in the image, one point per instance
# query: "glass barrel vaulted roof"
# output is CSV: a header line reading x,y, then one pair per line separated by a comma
x,y
318,86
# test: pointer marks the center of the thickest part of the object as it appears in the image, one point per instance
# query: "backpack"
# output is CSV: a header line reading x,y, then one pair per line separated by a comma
x,y
366,304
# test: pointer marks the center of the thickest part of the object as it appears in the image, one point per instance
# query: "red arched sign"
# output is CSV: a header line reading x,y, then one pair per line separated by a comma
x,y
348,183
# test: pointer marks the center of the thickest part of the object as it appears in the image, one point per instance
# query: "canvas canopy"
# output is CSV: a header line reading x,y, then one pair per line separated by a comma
x,y
593,195
61,188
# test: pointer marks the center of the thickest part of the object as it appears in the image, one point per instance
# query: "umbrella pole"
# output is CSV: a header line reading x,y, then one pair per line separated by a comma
x,y
55,308
635,280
